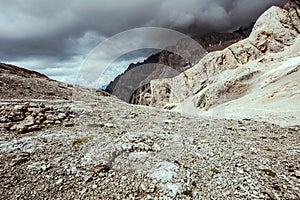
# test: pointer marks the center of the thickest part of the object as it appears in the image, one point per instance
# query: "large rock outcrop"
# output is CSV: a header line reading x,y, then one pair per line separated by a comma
x,y
133,85
255,69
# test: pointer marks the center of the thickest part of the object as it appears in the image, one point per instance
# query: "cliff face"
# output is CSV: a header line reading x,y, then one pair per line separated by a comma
x,y
123,85
218,41
133,85
259,72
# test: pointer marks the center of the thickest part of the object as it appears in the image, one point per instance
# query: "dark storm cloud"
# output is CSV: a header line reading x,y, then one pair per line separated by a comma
x,y
55,33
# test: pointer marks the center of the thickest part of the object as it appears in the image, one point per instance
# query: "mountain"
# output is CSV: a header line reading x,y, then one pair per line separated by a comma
x,y
31,101
133,85
86,144
131,78
17,82
20,83
258,73
216,41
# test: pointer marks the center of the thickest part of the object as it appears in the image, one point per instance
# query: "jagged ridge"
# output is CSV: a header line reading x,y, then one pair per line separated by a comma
x,y
133,85
239,71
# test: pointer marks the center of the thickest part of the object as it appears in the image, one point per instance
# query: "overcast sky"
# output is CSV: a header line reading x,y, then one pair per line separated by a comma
x,y
54,37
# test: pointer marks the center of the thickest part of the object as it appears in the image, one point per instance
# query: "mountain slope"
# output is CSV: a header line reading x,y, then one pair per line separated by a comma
x,y
99,147
20,83
104,148
259,73
133,85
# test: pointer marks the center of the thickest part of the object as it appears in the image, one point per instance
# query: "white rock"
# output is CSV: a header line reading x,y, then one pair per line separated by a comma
x,y
94,186
235,82
109,125
168,121
46,167
28,121
17,127
126,147
156,147
32,104
144,186
165,171
87,178
50,117
172,188
60,181
61,116
18,107
73,170
240,170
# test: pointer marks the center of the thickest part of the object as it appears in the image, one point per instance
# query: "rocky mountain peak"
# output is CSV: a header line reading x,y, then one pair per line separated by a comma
x,y
133,85
291,4
240,70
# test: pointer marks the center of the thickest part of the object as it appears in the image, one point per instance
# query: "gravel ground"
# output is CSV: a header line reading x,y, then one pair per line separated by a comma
x,y
120,151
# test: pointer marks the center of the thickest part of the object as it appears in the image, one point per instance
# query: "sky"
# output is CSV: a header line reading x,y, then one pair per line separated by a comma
x,y
56,37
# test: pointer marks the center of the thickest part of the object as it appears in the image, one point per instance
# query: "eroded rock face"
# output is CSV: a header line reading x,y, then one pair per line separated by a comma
x,y
133,85
292,6
227,75
275,30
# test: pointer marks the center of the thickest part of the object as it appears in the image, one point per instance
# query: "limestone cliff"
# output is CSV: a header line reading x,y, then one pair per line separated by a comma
x,y
133,85
259,71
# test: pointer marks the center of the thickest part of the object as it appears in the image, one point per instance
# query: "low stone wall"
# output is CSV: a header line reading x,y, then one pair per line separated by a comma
x,y
27,117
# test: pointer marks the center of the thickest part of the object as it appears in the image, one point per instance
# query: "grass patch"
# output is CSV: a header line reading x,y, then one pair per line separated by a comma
x,y
267,148
269,172
82,140
214,170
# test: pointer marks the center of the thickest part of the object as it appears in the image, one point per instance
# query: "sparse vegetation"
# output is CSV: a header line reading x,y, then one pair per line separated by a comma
x,y
214,170
267,148
82,140
269,172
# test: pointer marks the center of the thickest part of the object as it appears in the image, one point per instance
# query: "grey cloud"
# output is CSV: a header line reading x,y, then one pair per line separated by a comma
x,y
58,31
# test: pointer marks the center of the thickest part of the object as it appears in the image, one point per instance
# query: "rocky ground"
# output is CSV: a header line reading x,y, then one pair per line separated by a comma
x,y
31,116
61,141
113,150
